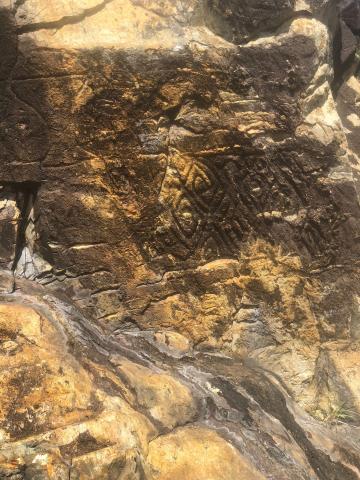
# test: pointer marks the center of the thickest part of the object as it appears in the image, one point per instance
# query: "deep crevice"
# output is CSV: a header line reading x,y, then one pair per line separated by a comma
x,y
63,21
346,46
277,29
18,4
25,194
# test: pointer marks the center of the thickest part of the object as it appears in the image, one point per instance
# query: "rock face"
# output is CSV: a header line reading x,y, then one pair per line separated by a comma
x,y
76,404
186,174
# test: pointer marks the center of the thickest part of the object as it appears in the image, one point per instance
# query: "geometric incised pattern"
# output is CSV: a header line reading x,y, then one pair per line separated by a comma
x,y
195,204
197,209
210,206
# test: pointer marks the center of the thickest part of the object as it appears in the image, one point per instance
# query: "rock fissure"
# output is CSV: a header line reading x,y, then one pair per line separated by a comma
x,y
279,29
18,4
63,21
25,195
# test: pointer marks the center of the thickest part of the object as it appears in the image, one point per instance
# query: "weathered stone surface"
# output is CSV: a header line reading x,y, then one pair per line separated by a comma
x,y
187,173
201,451
167,400
78,404
348,103
173,342
53,410
43,387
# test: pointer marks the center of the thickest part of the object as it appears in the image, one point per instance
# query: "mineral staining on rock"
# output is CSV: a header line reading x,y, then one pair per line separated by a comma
x,y
187,174
77,403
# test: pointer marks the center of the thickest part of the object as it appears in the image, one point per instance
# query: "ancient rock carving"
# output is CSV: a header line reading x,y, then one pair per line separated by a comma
x,y
179,239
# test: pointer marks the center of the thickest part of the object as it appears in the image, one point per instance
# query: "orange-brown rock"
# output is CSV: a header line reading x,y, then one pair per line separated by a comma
x,y
184,177
78,404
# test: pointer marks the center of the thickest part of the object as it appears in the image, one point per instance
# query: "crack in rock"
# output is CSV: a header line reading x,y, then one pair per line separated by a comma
x,y
63,21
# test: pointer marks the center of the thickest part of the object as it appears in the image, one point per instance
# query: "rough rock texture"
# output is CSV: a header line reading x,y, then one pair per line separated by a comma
x,y
187,174
76,404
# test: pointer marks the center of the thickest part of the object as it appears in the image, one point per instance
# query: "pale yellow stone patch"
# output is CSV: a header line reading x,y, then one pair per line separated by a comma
x,y
197,454
167,400
354,119
173,341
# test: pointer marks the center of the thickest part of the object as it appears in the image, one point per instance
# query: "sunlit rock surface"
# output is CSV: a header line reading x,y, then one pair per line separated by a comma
x,y
185,177
77,403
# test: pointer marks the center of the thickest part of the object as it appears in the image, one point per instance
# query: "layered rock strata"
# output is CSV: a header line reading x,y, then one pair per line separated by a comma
x,y
78,404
